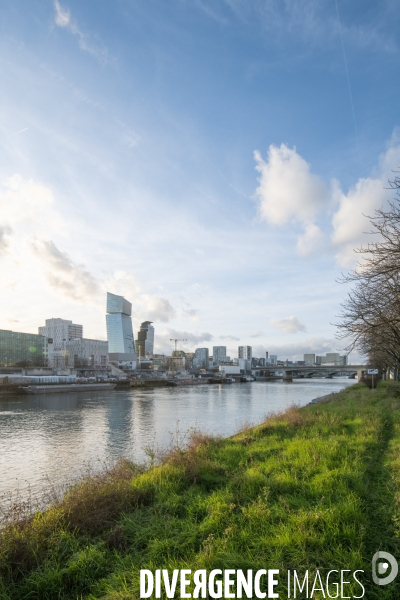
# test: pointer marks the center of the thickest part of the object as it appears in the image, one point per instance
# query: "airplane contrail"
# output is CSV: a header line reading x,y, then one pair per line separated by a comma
x,y
348,78
26,129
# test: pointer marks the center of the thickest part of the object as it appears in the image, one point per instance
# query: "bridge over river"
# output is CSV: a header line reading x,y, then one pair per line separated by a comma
x,y
310,371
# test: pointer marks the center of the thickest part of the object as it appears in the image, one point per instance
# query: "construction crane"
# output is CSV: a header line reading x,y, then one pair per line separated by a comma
x,y
177,340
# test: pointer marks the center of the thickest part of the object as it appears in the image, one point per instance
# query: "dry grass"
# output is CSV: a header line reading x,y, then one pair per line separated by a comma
x,y
95,503
191,456
89,508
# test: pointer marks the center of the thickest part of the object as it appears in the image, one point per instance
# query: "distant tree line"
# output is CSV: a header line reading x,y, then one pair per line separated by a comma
x,y
370,316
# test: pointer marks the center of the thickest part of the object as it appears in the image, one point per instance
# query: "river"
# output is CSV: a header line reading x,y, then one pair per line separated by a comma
x,y
48,441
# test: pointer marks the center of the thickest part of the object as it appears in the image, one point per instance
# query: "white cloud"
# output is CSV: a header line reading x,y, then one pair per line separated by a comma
x,y
310,240
309,21
157,308
193,313
350,221
28,202
164,340
256,334
287,189
288,325
289,192
64,275
231,338
62,18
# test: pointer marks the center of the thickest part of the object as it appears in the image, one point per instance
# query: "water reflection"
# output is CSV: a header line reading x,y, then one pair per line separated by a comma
x,y
47,440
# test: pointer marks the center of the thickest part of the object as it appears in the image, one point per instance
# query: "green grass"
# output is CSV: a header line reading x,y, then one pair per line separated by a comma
x,y
312,488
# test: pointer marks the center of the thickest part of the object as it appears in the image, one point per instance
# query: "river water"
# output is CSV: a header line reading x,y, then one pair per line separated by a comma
x,y
47,441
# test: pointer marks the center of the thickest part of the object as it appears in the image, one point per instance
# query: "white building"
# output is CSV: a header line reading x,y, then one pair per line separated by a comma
x,y
58,332
331,358
83,352
309,359
245,352
244,365
219,354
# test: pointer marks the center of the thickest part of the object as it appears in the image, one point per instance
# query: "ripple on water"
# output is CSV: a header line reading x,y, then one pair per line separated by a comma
x,y
49,440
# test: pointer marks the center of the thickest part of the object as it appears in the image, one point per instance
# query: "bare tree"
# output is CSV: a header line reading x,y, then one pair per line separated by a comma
x,y
370,316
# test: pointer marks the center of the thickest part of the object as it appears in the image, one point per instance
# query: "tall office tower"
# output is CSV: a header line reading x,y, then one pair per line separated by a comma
x,y
145,340
58,333
245,352
219,354
119,325
274,359
201,357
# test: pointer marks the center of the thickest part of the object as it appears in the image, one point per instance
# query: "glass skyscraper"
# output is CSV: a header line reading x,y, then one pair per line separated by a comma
x,y
119,325
145,340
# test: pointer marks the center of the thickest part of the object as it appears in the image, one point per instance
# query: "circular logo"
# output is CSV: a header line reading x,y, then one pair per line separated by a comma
x,y
380,565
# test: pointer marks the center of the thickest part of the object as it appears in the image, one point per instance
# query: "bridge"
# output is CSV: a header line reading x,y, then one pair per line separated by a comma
x,y
308,371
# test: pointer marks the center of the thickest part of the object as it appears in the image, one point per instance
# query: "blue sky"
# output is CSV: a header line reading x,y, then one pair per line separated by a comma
x,y
210,160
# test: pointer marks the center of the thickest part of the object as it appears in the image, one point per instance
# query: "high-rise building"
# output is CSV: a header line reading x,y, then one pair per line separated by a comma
x,y
21,349
61,331
309,359
145,340
219,354
119,325
201,357
331,358
58,332
245,352
121,346
273,359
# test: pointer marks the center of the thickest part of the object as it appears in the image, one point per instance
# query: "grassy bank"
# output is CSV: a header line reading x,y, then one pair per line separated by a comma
x,y
312,488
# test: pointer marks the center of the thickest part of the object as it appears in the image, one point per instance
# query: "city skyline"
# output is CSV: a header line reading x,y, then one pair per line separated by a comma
x,y
212,162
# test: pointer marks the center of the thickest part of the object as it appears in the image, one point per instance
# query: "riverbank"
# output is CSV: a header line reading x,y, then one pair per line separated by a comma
x,y
311,488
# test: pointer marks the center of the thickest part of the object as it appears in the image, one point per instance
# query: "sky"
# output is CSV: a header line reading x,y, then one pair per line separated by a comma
x,y
214,161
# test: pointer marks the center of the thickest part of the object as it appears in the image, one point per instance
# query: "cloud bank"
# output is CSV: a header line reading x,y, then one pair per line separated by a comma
x,y
289,325
288,192
64,275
